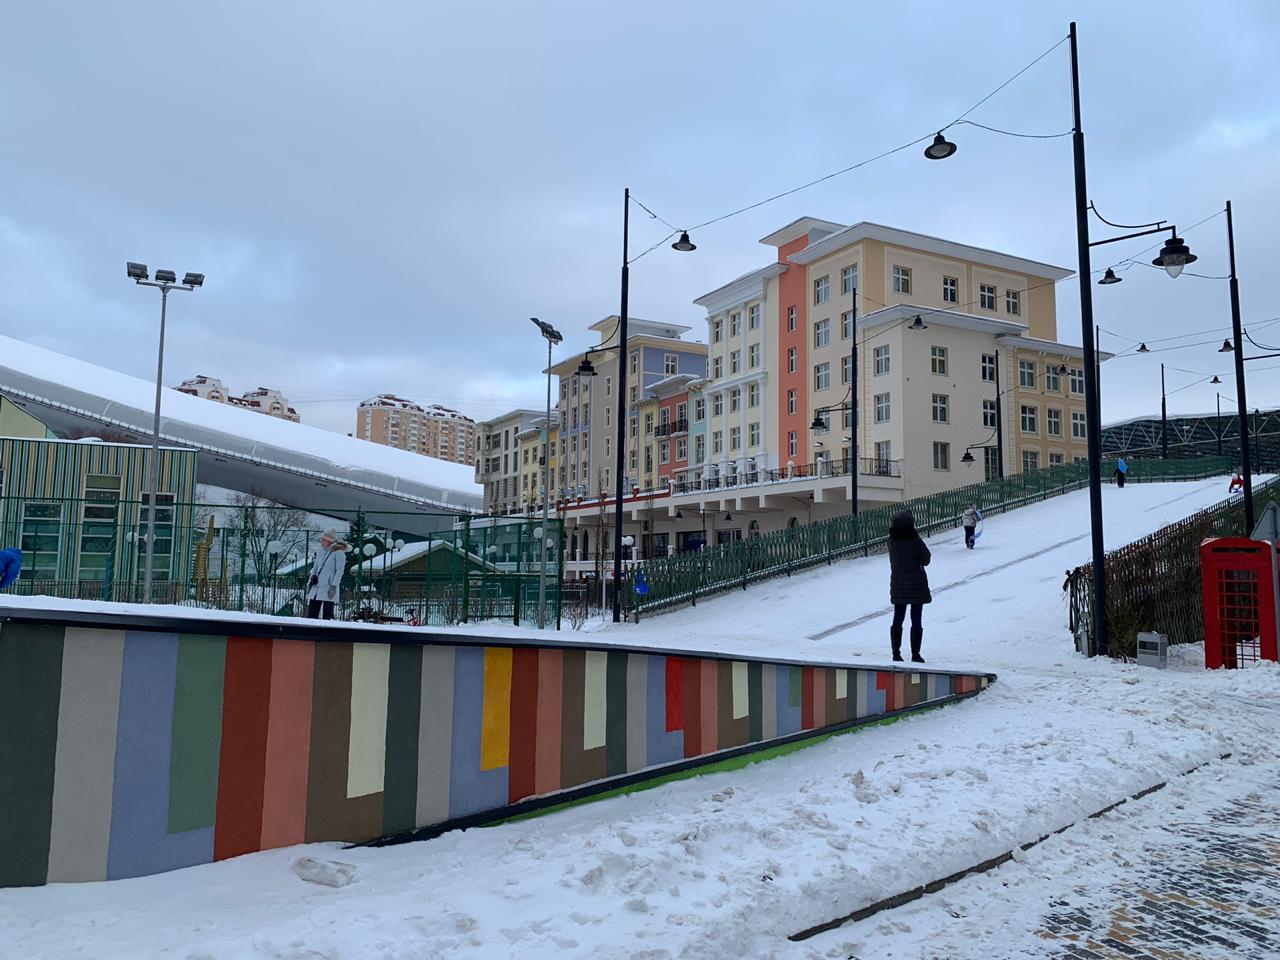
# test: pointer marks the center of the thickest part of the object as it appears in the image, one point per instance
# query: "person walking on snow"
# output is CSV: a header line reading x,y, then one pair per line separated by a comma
x,y
1122,471
908,582
326,576
10,565
970,521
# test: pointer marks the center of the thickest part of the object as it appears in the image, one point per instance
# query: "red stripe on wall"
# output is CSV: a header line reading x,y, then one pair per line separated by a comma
x,y
884,681
819,697
550,711
284,793
522,756
691,688
806,698
675,694
242,765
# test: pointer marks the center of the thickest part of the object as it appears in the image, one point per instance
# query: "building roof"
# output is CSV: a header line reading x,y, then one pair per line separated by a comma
x,y
637,327
798,228
1053,346
905,312
739,288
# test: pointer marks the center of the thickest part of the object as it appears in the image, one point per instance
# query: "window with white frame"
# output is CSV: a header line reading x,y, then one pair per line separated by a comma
x,y
938,361
700,409
716,330
735,361
821,376
682,411
1052,380
735,438
821,290
821,333
670,363
901,279
664,452
846,369
989,368
1079,431
1027,374
717,442
791,318
1077,381
753,395
608,415
700,447
608,446
717,404
682,448
753,356
849,278
753,316
884,453
753,434
881,405
990,463
735,324
950,289
791,402
846,325
717,368
941,408
735,400
987,296
989,413
1053,422
1055,459
635,362
941,456
791,360
1028,418
1013,302
791,444
648,424
880,358
608,386
1030,460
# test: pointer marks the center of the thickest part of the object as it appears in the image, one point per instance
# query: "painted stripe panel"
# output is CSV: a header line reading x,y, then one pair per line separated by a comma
x,y
769,700
367,748
90,701
435,736
243,754
616,713
663,744
741,704
674,683
471,789
284,785
594,699
546,777
637,694
708,704
197,733
30,678
842,684
400,777
523,762
495,718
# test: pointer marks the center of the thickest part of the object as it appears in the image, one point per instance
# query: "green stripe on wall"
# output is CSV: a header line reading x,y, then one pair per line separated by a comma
x,y
755,701
615,706
196,744
30,688
404,706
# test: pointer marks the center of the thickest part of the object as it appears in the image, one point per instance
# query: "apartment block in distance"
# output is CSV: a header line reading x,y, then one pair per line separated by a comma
x,y
434,431
264,400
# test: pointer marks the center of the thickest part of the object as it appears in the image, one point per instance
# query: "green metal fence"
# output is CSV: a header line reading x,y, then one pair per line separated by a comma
x,y
256,557
688,577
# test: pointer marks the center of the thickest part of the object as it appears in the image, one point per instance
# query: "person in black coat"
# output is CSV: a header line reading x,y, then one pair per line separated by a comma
x,y
908,582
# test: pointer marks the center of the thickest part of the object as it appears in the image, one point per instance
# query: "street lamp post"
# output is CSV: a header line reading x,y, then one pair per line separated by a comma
x,y
552,337
1218,421
165,281
1164,419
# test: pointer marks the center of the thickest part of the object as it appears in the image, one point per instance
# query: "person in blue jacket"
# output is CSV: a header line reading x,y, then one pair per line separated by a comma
x,y
10,564
1122,471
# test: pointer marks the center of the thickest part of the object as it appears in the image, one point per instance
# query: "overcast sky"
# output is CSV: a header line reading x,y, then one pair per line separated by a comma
x,y
381,194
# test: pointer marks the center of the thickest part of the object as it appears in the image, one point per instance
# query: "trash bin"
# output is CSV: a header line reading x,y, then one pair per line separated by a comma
x,y
1153,650
1241,594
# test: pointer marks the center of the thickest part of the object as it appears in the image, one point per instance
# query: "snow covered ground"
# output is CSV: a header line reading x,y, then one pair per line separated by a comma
x,y
729,864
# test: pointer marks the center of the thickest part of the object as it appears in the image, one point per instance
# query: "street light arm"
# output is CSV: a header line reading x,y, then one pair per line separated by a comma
x,y
1124,226
1172,231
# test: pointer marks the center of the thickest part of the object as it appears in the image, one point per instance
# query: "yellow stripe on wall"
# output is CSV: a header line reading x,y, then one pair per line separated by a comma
x,y
842,684
495,721
367,754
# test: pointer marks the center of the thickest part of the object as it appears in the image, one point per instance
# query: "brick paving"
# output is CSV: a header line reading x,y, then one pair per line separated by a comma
x,y
1208,888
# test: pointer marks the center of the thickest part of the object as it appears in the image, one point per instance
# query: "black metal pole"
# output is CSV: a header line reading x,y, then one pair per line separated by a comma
x,y
999,423
1092,414
1218,422
853,426
622,414
1164,419
1242,403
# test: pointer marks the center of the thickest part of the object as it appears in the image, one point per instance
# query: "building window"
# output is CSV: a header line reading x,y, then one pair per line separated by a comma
x,y
846,369
753,316
1027,374
717,368
716,330
735,324
1029,419
791,402
1013,302
98,515
735,438
821,376
1053,423
1055,459
880,355
938,361
821,333
735,400
635,363
717,442
901,279
987,296
753,434
991,463
700,447
821,290
849,279
791,318
608,386
753,395
846,325
1052,381
950,290
664,452
717,404
700,409
1078,429
884,454
791,444
1030,460
1077,381
881,402
670,363
989,367
791,360
735,361
682,448
648,425
608,416
941,456
989,411
940,408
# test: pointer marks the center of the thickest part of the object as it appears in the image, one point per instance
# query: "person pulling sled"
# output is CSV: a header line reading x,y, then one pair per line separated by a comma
x,y
970,519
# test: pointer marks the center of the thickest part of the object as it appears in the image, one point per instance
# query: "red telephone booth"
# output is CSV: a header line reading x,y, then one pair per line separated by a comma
x,y
1238,578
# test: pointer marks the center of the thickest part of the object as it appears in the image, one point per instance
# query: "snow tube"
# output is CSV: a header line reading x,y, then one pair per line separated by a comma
x,y
977,531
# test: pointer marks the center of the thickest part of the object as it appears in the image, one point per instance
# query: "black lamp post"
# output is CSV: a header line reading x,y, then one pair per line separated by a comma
x,y
1164,419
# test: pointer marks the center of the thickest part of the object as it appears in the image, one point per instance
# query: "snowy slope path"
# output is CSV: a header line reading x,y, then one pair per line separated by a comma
x,y
728,865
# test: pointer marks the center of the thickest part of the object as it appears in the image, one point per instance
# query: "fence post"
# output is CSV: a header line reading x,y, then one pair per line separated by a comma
x,y
466,574
244,550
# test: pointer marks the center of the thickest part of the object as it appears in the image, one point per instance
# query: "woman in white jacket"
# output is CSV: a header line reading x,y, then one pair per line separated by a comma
x,y
326,576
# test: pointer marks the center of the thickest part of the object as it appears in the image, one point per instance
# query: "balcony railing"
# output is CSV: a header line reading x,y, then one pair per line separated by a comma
x,y
671,428
868,466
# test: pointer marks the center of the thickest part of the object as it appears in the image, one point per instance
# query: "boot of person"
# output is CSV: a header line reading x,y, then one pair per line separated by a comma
x,y
895,641
917,636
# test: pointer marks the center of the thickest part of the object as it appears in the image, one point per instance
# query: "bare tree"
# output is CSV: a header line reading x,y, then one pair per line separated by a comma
x,y
602,516
259,522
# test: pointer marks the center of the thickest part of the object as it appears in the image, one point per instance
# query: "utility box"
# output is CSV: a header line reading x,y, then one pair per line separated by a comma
x,y
1241,592
1153,650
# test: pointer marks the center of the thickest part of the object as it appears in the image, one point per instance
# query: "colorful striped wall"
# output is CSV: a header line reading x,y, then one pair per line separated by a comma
x,y
134,751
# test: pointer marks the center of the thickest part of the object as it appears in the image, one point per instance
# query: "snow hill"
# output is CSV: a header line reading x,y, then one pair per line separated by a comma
x,y
727,865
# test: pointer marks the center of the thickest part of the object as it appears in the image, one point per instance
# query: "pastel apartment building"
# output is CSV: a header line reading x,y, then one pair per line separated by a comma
x,y
498,459
266,400
433,430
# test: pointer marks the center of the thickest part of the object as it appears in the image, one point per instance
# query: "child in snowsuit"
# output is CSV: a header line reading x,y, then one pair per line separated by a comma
x,y
970,522
908,582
